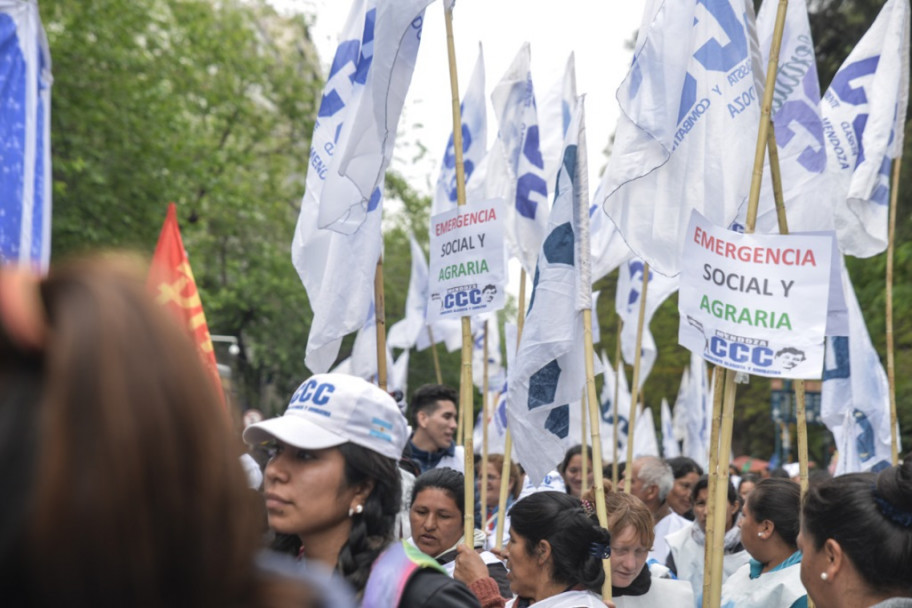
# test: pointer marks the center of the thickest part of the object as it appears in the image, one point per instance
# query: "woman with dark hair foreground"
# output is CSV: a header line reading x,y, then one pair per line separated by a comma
x,y
436,515
120,481
856,537
769,532
332,492
554,554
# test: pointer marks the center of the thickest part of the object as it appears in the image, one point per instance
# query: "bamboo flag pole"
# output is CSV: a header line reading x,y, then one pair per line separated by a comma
x,y
634,387
891,369
466,408
713,473
484,430
380,315
584,461
581,204
728,405
508,437
721,498
597,482
800,395
614,406
434,355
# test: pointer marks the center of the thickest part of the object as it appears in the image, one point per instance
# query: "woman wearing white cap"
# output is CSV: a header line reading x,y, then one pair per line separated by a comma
x,y
332,492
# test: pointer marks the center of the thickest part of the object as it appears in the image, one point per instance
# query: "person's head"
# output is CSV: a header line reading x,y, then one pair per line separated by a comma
x,y
789,357
747,484
651,481
571,469
488,293
332,472
552,541
495,473
701,498
856,531
437,509
121,483
686,472
434,415
632,535
771,521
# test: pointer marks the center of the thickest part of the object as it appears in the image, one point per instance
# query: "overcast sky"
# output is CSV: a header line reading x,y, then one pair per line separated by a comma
x,y
596,30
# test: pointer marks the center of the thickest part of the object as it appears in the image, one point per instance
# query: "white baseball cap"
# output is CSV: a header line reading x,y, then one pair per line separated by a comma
x,y
328,410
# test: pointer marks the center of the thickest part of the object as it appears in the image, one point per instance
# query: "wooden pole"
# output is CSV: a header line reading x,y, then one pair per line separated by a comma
x,y
600,508
721,498
800,395
891,369
713,473
614,406
434,355
380,315
484,431
724,446
508,438
584,461
465,379
634,387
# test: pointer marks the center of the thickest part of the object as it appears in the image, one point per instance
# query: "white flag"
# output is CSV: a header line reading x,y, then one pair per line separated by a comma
x,y
607,410
627,304
670,447
688,130
356,124
799,129
697,412
398,375
864,111
404,333
496,371
549,372
554,117
25,136
855,401
447,331
645,442
363,360
515,171
473,111
497,423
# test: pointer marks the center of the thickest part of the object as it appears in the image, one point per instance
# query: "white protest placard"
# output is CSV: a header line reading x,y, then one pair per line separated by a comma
x,y
755,303
467,261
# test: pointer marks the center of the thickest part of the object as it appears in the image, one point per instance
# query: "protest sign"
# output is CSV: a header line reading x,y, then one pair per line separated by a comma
x,y
755,303
467,261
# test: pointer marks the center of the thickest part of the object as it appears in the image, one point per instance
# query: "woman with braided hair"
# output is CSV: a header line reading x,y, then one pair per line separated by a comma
x,y
856,540
332,492
554,554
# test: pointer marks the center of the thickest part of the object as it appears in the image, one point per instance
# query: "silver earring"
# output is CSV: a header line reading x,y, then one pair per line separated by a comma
x,y
823,576
760,534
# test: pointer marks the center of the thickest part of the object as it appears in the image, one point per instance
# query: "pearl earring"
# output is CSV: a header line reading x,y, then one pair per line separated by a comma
x,y
356,511
823,576
760,534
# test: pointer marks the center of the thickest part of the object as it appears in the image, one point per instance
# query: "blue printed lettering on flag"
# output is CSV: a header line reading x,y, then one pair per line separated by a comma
x,y
12,139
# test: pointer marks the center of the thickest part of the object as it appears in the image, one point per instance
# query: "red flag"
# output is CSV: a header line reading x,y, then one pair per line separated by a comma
x,y
171,282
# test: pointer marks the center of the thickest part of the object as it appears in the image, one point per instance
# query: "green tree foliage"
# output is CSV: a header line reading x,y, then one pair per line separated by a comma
x,y
210,105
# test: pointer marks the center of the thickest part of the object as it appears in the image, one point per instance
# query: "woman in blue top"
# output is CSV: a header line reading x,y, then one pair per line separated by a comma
x,y
769,532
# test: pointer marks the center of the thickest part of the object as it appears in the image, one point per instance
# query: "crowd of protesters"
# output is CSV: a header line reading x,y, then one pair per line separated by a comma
x,y
123,484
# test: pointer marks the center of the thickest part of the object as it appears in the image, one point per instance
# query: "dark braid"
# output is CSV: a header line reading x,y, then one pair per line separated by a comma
x,y
372,529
